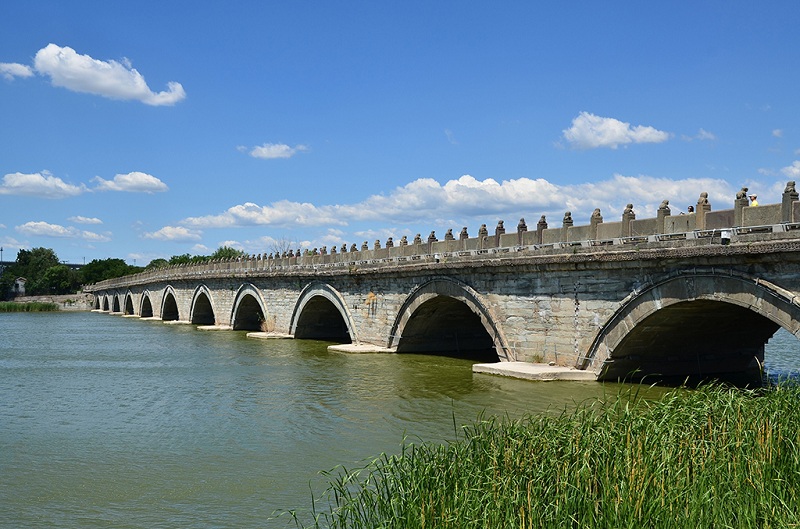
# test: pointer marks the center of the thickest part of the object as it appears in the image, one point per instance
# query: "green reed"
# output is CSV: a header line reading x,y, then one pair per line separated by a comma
x,y
714,457
33,306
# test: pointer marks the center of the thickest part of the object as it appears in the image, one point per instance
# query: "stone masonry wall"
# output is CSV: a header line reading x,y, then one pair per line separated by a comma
x,y
547,307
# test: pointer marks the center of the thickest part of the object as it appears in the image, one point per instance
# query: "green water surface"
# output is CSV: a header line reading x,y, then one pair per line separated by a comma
x,y
117,422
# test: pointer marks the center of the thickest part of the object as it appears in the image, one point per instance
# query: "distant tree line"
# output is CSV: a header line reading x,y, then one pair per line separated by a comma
x,y
46,274
223,252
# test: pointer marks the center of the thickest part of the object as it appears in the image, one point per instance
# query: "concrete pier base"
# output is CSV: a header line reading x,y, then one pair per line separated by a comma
x,y
360,348
214,327
270,336
530,371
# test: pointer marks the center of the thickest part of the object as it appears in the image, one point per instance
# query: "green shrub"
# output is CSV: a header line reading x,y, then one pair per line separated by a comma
x,y
34,306
714,457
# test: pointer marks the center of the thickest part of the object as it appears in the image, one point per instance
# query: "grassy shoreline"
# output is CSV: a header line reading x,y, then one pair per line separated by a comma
x,y
714,457
34,306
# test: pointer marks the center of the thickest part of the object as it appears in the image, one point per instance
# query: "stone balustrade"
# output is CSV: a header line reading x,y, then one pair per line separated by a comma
x,y
702,224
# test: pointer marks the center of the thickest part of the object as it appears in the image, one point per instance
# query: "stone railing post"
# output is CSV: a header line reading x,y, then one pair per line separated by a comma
x,y
483,236
566,224
431,239
521,228
540,227
498,231
739,204
595,221
790,196
661,216
627,216
700,211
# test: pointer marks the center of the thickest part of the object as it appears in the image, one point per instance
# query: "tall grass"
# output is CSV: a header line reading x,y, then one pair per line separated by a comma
x,y
33,306
714,457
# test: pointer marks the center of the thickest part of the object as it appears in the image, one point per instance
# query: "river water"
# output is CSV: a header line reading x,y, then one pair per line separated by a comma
x,y
118,422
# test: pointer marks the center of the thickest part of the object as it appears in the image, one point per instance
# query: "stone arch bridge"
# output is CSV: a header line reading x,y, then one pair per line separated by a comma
x,y
696,303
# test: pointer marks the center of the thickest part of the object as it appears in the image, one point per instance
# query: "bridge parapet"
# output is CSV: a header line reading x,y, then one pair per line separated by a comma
x,y
700,228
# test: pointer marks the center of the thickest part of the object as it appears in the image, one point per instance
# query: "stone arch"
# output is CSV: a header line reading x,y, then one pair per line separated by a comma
x,y
116,305
146,306
96,302
448,316
105,303
249,309
202,308
169,305
128,307
321,313
693,323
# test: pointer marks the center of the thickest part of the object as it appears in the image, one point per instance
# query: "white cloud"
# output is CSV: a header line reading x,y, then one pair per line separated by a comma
x,y
792,171
271,151
174,233
111,79
43,185
10,70
283,213
79,219
45,229
702,135
457,202
777,133
134,182
589,132
232,244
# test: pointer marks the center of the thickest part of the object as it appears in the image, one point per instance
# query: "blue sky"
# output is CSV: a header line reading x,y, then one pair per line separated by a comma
x,y
150,129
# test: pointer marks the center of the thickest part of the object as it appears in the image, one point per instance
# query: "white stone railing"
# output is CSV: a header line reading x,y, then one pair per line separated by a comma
x,y
420,254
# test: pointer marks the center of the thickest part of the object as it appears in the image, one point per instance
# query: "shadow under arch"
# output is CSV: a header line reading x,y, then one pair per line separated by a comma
x,y
96,305
202,308
105,303
446,316
169,305
116,306
249,309
128,308
146,307
698,323
321,314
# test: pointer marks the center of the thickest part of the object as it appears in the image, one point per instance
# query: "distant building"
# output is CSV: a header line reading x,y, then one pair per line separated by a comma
x,y
19,286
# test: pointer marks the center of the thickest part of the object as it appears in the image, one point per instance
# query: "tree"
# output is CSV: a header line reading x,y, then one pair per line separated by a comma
x,y
100,269
156,263
32,263
59,279
182,259
45,274
226,252
280,246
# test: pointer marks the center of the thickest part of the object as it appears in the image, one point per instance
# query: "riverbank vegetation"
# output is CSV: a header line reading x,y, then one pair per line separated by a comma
x,y
11,306
44,274
713,457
